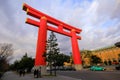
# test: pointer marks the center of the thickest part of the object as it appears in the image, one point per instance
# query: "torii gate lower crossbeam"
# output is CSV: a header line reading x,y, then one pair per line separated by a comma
x,y
42,35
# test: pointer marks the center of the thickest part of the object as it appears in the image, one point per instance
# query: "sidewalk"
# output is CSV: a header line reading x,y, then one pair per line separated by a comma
x,y
14,76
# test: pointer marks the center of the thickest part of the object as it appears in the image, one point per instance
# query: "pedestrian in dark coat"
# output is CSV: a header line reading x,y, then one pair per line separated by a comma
x,y
35,73
20,72
23,72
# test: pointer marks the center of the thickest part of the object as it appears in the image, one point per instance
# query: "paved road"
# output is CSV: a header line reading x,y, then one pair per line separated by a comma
x,y
68,75
14,76
92,75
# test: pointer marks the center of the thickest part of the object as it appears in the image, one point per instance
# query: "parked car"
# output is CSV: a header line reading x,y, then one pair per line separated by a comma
x,y
97,68
117,67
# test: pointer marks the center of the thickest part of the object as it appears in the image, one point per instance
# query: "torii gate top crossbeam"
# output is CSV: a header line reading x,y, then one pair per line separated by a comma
x,y
61,25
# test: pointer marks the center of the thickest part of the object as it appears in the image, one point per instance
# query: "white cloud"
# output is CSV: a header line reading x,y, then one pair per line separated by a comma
x,y
99,20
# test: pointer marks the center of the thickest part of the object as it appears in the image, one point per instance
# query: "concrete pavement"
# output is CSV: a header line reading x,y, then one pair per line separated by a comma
x,y
14,76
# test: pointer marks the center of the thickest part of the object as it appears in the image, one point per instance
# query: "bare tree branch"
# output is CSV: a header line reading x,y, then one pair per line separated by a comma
x,y
6,50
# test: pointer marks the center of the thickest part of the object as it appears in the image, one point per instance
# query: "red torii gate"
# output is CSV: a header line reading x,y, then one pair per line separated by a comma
x,y
42,35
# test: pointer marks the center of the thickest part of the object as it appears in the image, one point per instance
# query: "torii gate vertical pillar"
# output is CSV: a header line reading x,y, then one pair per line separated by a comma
x,y
75,51
40,62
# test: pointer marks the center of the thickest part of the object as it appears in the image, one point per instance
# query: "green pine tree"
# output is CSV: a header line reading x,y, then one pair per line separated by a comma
x,y
52,51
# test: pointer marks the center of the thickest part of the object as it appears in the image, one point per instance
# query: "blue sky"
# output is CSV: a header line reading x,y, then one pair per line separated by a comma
x,y
98,19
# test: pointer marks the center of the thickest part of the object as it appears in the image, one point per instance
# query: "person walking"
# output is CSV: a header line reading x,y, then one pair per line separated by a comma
x,y
20,72
35,73
23,72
